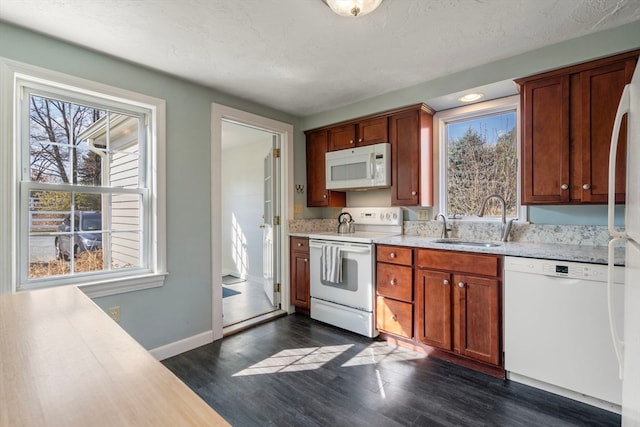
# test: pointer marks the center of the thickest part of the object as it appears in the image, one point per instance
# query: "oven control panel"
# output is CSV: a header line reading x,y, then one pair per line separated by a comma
x,y
376,216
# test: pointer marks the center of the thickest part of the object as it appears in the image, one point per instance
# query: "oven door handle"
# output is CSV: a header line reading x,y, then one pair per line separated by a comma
x,y
345,248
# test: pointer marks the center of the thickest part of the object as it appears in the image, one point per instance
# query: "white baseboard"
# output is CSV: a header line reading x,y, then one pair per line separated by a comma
x,y
178,347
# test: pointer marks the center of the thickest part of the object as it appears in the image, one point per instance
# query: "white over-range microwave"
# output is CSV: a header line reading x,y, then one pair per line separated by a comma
x,y
359,168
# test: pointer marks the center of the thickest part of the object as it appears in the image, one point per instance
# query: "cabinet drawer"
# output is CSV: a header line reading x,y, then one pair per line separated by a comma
x,y
394,281
300,244
486,265
395,317
394,254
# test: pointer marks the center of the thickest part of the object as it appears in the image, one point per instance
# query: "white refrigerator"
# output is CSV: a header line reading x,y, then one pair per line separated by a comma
x,y
628,346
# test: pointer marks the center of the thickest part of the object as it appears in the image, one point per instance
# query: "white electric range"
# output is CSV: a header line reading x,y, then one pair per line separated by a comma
x,y
348,301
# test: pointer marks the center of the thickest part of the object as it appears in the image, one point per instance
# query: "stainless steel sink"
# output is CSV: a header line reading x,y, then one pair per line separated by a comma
x,y
467,243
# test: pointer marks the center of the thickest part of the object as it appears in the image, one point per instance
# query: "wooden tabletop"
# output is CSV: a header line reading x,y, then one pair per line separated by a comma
x,y
64,362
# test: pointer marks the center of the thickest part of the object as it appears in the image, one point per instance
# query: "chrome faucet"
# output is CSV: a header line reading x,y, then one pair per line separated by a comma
x,y
506,225
445,230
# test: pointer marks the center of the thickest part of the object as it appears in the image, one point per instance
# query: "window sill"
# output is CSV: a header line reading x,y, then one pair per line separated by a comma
x,y
122,285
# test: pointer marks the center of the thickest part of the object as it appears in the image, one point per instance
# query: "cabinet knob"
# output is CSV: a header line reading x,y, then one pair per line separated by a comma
x,y
360,140
306,260
351,141
299,244
564,186
445,282
394,317
324,196
586,186
393,282
461,284
392,255
413,193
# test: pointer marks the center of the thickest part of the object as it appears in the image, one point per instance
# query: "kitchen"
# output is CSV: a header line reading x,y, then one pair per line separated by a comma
x,y
183,308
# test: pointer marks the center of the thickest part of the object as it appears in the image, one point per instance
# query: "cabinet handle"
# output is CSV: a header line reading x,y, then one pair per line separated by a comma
x,y
445,282
351,141
392,255
360,140
564,187
306,260
394,317
586,186
461,284
393,282
299,244
413,193
324,196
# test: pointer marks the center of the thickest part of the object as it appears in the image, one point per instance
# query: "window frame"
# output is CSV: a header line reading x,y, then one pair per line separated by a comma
x,y
15,80
440,158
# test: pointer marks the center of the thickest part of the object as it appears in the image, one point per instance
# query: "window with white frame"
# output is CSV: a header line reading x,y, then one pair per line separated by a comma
x,y
88,202
479,157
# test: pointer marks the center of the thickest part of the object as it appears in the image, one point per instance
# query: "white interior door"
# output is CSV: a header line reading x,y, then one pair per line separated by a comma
x,y
271,234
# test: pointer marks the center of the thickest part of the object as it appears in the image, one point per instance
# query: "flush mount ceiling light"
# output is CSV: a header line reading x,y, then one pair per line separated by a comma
x,y
470,97
352,7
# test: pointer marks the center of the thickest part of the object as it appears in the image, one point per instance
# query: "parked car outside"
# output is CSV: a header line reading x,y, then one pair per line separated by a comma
x,y
87,236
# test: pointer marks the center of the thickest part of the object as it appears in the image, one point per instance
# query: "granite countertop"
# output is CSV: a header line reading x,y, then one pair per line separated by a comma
x,y
561,252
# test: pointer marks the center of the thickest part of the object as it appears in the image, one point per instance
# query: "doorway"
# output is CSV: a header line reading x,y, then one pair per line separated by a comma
x,y
247,223
244,223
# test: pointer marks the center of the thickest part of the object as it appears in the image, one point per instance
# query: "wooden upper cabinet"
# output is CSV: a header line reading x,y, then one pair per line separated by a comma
x,y
410,135
567,120
365,132
545,153
601,91
317,193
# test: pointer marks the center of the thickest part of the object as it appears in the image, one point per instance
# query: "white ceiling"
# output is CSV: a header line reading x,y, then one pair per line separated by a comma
x,y
299,57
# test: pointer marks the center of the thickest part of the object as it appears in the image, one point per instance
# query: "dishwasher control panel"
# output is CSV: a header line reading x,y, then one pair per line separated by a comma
x,y
571,270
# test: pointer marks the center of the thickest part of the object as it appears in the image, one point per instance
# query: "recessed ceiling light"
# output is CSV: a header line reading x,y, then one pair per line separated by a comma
x,y
470,97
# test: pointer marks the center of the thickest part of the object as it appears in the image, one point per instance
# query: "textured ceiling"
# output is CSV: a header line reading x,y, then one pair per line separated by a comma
x,y
298,56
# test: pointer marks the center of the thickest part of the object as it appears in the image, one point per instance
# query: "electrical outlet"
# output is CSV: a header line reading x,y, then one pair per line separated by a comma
x,y
423,215
114,313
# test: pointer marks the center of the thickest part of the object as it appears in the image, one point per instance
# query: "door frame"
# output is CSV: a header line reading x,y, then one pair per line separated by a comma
x,y
218,113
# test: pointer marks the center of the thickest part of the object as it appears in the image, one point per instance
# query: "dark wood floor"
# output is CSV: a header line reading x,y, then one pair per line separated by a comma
x,y
295,371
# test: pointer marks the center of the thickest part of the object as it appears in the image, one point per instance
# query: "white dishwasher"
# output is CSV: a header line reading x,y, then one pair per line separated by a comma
x,y
556,329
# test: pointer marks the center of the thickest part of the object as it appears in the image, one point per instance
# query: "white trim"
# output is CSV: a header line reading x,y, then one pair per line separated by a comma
x,y
178,347
469,111
218,113
11,72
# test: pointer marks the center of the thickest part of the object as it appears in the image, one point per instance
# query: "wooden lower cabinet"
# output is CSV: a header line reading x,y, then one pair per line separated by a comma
x,y
457,310
299,264
394,290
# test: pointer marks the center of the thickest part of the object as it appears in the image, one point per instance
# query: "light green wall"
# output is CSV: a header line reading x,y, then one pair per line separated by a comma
x,y
596,45
182,308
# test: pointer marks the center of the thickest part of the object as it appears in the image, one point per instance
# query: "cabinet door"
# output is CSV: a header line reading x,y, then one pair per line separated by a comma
x,y
405,158
479,317
341,137
601,91
299,261
373,131
433,308
317,193
545,147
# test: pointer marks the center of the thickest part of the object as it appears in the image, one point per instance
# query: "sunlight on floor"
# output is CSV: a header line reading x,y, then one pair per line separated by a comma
x,y
305,359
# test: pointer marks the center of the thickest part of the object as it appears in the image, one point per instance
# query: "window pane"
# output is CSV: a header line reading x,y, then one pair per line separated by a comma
x,y
482,161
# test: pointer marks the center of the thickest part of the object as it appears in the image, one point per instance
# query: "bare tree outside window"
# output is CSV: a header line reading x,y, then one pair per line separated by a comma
x,y
482,160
